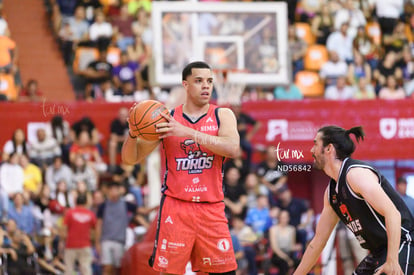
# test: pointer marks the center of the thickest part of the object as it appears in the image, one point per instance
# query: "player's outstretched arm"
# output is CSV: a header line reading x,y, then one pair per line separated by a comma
x,y
326,225
371,191
226,144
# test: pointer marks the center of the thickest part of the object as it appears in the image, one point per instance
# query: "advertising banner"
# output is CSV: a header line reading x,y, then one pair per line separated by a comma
x,y
291,126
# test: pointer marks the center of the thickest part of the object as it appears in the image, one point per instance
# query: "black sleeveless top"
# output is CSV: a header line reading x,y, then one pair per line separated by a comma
x,y
367,225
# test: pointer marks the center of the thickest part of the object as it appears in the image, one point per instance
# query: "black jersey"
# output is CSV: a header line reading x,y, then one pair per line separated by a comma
x,y
367,225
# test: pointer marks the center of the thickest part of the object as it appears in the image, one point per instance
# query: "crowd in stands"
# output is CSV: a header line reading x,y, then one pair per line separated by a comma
x,y
342,49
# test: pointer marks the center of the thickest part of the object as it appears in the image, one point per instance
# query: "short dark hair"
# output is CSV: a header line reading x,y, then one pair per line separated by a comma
x,y
194,65
81,199
402,180
340,139
110,184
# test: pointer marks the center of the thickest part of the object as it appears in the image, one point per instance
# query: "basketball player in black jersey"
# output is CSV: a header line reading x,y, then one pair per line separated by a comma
x,y
365,201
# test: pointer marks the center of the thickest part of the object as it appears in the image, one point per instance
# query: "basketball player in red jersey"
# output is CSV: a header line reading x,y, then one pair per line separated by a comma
x,y
196,139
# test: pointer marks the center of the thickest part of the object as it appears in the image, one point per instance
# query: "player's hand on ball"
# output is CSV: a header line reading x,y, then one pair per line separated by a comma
x,y
132,134
171,128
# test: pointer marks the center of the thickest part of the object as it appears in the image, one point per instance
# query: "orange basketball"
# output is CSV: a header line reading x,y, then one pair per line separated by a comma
x,y
144,117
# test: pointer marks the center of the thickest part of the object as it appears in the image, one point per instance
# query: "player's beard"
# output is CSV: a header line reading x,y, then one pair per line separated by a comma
x,y
319,161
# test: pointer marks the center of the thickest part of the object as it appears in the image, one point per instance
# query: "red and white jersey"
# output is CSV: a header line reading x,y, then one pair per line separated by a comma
x,y
193,173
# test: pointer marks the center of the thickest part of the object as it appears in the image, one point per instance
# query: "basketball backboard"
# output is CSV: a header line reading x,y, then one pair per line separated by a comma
x,y
250,37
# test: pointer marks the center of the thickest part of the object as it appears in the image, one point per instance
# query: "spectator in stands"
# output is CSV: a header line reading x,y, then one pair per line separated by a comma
x,y
32,176
79,225
44,149
270,174
56,172
73,33
11,176
297,49
85,148
397,40
308,10
267,51
113,219
407,68
282,237
240,163
91,8
59,129
339,91
8,55
248,240
299,211
113,8
98,77
48,254
359,68
141,53
66,8
253,189
81,171
135,5
22,214
66,37
388,66
341,42
332,69
401,188
23,262
131,178
4,27
85,124
126,71
259,217
41,210
391,90
118,132
287,92
235,197
63,197
5,250
322,25
31,92
126,93
142,25
122,26
353,15
17,144
97,199
100,31
364,90
238,255
81,189
365,45
388,12
247,127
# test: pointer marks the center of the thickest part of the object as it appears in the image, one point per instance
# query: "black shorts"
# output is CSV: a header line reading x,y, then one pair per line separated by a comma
x,y
373,261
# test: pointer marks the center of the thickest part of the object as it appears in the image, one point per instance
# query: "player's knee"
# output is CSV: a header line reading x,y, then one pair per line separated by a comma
x,y
225,273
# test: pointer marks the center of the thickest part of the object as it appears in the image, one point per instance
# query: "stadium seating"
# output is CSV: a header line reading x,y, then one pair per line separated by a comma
x,y
303,30
309,84
315,57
